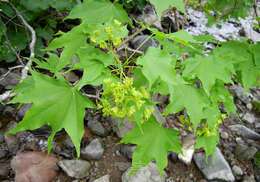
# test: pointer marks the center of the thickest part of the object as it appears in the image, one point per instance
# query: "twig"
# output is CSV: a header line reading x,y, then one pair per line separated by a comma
x,y
25,70
256,12
9,71
32,44
176,19
10,45
91,96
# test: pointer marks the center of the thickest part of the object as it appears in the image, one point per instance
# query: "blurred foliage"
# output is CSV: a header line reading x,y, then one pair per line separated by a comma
x,y
43,16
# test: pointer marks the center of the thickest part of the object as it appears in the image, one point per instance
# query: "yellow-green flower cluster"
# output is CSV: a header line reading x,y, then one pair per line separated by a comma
x,y
112,31
121,99
207,131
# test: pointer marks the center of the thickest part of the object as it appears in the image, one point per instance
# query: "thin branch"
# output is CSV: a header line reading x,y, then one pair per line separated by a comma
x,y
9,71
256,12
10,45
32,44
25,70
176,19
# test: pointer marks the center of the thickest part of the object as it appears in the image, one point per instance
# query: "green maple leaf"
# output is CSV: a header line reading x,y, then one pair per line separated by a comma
x,y
151,146
161,6
94,63
50,63
189,97
208,143
91,11
54,102
70,42
208,69
157,64
221,94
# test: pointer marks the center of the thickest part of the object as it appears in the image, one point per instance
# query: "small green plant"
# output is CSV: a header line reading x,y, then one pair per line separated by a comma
x,y
199,86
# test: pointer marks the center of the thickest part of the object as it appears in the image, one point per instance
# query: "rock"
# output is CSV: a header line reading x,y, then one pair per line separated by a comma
x,y
237,170
1,106
187,149
169,23
9,111
124,128
97,128
127,150
220,170
149,15
75,168
245,132
3,153
22,111
149,173
249,31
173,156
12,143
123,166
249,118
240,141
238,91
4,171
93,151
157,115
11,80
103,179
34,167
139,41
244,152
2,138
249,179
224,135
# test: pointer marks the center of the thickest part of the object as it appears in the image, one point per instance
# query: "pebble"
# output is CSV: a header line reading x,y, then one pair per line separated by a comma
x,y
22,111
249,118
123,166
245,132
93,151
103,179
4,171
148,173
12,143
237,170
124,128
244,152
224,135
138,40
75,168
3,153
97,128
127,150
219,170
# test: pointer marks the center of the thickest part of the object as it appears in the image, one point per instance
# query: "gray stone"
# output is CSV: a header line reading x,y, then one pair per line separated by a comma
x,y
97,128
22,111
103,179
139,41
238,91
249,118
224,135
93,151
75,168
9,111
12,143
127,150
3,153
10,81
249,179
245,132
124,127
244,152
237,170
148,173
2,138
173,156
123,166
149,15
157,115
240,141
219,170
